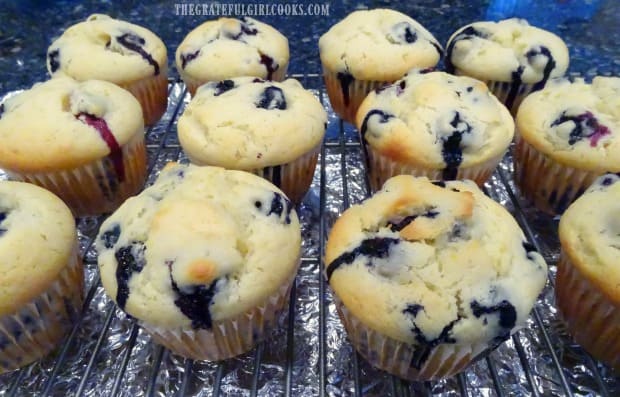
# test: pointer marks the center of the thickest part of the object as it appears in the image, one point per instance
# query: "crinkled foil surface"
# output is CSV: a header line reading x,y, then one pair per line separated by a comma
x,y
308,354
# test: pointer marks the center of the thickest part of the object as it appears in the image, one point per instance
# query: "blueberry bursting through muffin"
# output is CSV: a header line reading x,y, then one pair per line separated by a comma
x,y
3,229
135,43
374,248
116,153
585,126
194,301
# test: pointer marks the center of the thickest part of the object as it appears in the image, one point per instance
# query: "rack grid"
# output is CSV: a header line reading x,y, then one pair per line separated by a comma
x,y
108,354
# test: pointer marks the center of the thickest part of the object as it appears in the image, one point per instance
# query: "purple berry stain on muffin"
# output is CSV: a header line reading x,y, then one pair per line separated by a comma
x,y
466,34
54,60
397,225
507,314
3,216
110,237
272,98
405,33
585,126
195,302
270,65
549,66
130,260
452,148
116,154
425,345
378,247
223,86
188,57
345,79
135,43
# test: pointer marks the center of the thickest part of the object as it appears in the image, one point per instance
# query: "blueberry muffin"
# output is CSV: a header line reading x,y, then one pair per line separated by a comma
x,y
429,276
41,287
130,56
84,141
278,136
227,47
203,259
434,124
368,49
588,279
568,135
511,56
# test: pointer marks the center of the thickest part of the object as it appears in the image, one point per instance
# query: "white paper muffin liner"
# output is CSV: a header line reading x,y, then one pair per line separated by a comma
x,y
381,168
293,178
230,337
396,357
551,186
152,93
358,90
94,188
591,318
193,83
36,329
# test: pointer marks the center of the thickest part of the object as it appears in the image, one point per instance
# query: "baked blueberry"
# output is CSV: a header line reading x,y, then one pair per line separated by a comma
x,y
135,43
116,154
466,34
345,79
130,259
586,125
110,236
452,147
272,98
384,118
549,65
3,216
507,315
378,247
270,65
404,33
223,86
188,57
54,60
398,225
195,302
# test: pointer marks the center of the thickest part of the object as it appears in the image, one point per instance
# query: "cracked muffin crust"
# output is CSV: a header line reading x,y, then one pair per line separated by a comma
x,y
128,55
42,277
588,278
370,48
203,249
225,48
84,141
569,133
429,275
278,137
433,124
511,56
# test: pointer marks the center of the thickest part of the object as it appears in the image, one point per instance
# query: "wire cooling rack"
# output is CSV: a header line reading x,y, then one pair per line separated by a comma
x,y
107,354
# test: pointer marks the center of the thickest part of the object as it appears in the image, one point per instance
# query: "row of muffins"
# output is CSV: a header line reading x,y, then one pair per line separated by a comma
x,y
272,102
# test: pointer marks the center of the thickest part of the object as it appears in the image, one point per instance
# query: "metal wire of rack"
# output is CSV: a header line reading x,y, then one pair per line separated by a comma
x,y
107,353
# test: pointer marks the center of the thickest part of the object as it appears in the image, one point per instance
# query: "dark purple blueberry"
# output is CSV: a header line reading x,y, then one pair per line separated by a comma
x,y
378,247
506,311
54,59
3,216
405,33
457,232
116,154
549,66
396,227
609,180
515,85
466,34
130,260
400,88
270,65
279,206
439,183
1,109
470,89
586,126
110,237
413,309
195,302
246,28
188,57
452,149
345,79
135,43
258,80
384,118
223,86
529,248
272,98
425,345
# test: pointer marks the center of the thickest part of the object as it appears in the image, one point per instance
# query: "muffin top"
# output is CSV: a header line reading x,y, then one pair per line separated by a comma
x,y
228,47
590,235
508,50
379,44
434,263
37,241
202,244
62,124
436,120
247,123
576,124
107,49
